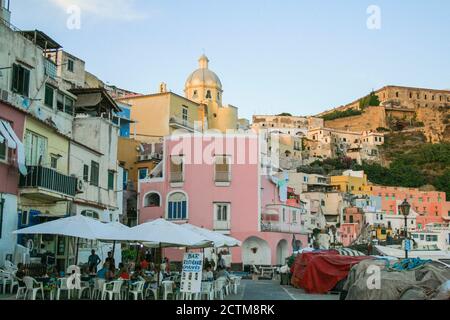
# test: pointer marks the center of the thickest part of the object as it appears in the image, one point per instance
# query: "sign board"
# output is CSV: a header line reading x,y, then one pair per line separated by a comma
x,y
407,245
191,276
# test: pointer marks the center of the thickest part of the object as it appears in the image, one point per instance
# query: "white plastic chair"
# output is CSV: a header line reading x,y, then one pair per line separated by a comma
x,y
10,267
168,289
85,286
8,278
219,286
63,286
33,287
137,289
112,290
207,291
235,283
98,288
151,290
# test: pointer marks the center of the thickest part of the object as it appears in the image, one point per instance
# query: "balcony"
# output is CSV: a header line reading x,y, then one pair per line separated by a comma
x,y
45,184
274,226
223,227
176,177
222,177
180,123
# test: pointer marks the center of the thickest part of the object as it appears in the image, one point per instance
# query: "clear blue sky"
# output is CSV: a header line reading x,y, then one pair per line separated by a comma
x,y
272,56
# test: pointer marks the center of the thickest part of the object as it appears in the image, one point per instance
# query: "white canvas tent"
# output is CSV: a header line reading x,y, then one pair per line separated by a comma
x,y
164,234
218,240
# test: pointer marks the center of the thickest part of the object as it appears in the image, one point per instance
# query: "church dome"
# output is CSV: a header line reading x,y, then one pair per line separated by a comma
x,y
203,77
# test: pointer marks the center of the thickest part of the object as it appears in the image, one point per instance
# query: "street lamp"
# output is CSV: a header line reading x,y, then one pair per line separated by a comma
x,y
404,210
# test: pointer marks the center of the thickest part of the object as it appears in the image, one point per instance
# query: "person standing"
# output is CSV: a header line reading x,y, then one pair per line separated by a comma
x,y
93,262
111,260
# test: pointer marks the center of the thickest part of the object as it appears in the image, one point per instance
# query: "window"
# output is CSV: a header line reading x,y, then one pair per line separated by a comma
x,y
95,170
176,169
35,148
3,149
351,219
54,162
90,214
86,173
70,65
111,175
49,95
222,211
208,94
432,238
20,80
177,206
195,95
152,200
2,205
24,218
284,215
185,114
143,173
64,103
222,169
294,216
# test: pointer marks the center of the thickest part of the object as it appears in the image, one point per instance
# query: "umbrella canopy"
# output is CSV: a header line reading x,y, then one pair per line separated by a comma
x,y
219,240
79,227
162,233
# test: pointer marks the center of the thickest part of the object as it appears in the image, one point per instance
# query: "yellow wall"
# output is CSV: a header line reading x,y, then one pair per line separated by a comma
x,y
56,143
354,185
153,112
128,155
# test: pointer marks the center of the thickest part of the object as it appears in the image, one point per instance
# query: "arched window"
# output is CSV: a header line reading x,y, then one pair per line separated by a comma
x,y
152,199
177,208
208,94
195,96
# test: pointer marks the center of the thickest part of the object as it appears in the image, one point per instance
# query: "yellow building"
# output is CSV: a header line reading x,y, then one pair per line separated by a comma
x,y
205,87
158,115
354,182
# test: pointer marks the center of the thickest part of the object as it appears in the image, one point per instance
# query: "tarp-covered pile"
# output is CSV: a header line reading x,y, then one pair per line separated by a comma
x,y
378,280
319,272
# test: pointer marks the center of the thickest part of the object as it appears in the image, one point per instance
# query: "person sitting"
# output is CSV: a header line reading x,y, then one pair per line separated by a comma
x,y
20,274
102,273
144,264
207,274
223,273
123,272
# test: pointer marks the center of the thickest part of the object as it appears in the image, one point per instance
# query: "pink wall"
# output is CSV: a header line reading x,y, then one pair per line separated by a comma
x,y
9,173
202,192
431,206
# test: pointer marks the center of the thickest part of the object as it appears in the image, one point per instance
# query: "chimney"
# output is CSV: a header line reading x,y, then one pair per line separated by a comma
x,y
162,87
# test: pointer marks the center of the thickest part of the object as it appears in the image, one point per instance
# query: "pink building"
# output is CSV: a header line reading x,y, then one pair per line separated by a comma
x,y
431,206
216,182
352,225
9,174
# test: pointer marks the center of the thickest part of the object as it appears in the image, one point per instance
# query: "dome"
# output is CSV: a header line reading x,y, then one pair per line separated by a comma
x,y
203,76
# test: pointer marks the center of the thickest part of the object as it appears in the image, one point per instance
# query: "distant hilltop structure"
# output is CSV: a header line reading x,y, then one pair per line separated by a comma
x,y
396,108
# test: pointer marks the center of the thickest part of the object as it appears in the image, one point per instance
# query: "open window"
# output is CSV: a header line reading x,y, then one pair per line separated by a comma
x,y
152,199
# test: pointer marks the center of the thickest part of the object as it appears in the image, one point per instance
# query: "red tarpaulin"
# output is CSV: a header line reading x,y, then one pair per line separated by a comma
x,y
319,272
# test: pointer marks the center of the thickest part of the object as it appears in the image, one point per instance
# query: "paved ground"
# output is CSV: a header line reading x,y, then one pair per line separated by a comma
x,y
271,290
259,290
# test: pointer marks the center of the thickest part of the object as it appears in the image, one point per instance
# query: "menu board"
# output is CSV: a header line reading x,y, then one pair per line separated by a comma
x,y
191,276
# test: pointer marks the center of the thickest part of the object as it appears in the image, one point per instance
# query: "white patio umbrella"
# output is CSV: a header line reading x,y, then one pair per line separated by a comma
x,y
79,227
164,234
219,240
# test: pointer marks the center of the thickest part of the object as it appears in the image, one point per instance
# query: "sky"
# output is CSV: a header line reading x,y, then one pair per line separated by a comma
x,y
272,56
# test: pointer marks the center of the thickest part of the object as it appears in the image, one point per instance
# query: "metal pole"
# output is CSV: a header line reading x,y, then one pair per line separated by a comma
x,y
76,254
406,236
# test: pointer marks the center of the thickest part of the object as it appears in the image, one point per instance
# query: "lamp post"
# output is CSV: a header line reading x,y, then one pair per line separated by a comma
x,y
404,210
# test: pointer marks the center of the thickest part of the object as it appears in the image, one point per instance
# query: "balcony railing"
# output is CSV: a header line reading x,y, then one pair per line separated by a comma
x,y
274,226
181,123
50,180
222,225
223,176
176,177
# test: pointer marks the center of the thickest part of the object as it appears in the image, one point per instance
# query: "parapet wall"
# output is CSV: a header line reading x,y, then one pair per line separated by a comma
x,y
371,119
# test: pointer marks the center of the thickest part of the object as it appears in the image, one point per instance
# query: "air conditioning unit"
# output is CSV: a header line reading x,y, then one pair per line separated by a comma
x,y
81,186
143,158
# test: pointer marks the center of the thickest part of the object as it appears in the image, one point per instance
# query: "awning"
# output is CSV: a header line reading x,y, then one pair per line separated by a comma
x,y
2,139
8,132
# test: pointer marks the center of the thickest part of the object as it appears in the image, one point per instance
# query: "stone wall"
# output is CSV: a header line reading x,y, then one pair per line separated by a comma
x,y
371,119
